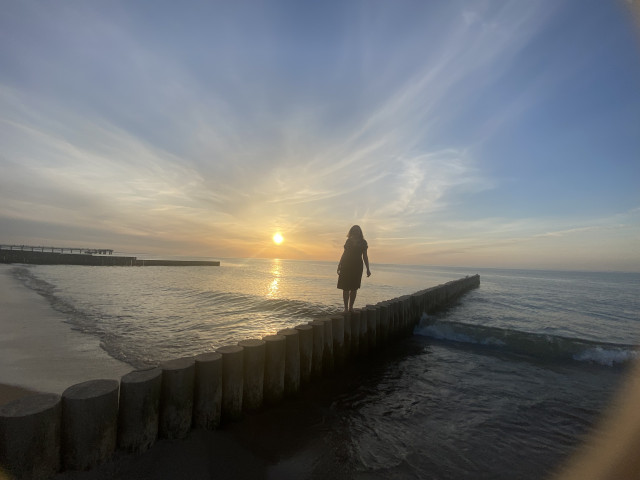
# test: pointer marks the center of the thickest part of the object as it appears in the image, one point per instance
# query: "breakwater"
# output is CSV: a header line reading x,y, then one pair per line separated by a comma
x,y
58,258
43,434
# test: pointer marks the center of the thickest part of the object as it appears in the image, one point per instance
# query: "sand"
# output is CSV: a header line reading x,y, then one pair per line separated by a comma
x,y
39,351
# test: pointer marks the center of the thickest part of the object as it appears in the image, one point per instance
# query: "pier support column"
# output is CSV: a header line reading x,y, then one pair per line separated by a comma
x,y
274,368
89,423
254,367
207,395
139,410
176,398
305,338
232,381
30,430
291,361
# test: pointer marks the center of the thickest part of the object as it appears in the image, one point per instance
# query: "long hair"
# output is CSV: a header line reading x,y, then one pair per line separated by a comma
x,y
355,232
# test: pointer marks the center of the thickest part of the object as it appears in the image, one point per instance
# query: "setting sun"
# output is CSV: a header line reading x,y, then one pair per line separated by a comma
x,y
277,238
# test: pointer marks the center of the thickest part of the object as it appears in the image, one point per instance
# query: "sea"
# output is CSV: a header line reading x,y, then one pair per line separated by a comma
x,y
505,383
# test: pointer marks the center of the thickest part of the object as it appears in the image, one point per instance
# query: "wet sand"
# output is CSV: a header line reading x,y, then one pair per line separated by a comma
x,y
39,351
9,393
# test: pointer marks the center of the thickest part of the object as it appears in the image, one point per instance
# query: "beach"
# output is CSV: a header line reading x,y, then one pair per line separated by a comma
x,y
39,351
505,383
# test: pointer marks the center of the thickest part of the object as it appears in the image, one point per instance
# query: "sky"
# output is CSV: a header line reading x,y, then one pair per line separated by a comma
x,y
473,133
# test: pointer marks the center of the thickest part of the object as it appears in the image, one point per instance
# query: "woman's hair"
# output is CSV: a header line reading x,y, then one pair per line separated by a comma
x,y
356,232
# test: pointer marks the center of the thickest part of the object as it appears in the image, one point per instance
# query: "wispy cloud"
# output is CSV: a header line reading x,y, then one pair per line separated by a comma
x,y
217,136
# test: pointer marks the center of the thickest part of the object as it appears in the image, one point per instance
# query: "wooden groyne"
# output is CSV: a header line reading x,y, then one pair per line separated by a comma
x,y
58,258
44,434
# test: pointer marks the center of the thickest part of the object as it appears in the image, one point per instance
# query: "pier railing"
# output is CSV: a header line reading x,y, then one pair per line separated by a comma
x,y
43,434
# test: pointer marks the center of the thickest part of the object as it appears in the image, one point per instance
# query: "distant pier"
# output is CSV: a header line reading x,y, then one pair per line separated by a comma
x,y
29,248
86,256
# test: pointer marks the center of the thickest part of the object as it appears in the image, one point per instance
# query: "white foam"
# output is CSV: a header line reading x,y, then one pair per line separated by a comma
x,y
607,357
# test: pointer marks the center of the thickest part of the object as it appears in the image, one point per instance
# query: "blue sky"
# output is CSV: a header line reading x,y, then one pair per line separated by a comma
x,y
472,133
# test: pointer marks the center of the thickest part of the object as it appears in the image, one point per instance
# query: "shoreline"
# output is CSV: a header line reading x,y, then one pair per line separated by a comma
x,y
39,351
9,393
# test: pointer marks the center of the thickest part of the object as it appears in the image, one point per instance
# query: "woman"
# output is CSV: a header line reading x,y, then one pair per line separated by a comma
x,y
350,266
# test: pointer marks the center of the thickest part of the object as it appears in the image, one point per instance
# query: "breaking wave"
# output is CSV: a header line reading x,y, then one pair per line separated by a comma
x,y
538,345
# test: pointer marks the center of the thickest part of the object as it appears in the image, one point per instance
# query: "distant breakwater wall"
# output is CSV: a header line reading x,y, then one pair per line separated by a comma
x,y
56,258
44,434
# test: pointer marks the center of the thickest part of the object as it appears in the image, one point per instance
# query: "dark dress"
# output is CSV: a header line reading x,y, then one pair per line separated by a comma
x,y
351,264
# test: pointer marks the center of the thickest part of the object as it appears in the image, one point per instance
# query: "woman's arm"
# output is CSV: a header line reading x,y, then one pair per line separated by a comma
x,y
365,257
340,263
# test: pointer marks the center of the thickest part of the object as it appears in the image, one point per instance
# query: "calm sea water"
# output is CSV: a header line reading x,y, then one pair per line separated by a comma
x,y
503,384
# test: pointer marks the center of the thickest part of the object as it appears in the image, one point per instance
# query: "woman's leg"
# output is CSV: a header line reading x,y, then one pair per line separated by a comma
x,y
352,298
345,297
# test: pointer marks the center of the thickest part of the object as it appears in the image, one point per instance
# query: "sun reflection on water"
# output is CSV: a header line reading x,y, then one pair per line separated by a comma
x,y
276,270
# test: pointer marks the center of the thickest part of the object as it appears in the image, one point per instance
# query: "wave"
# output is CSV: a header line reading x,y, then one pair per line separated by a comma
x,y
243,303
538,345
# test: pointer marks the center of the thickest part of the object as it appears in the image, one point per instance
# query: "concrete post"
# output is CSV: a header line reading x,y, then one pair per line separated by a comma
x,y
89,423
347,335
318,348
274,368
176,397
232,381
291,361
327,351
139,409
354,320
338,340
305,333
207,394
30,429
254,361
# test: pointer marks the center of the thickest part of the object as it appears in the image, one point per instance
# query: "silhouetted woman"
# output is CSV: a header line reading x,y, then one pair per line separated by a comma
x,y
350,266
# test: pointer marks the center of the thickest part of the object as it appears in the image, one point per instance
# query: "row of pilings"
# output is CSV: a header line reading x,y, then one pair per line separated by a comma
x,y
43,434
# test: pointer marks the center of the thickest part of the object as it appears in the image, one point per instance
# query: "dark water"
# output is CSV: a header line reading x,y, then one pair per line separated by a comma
x,y
449,412
505,384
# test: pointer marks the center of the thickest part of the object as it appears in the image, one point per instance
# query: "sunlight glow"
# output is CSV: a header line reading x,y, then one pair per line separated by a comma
x,y
278,238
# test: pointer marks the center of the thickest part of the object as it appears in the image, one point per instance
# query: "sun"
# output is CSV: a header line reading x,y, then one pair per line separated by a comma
x,y
278,238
